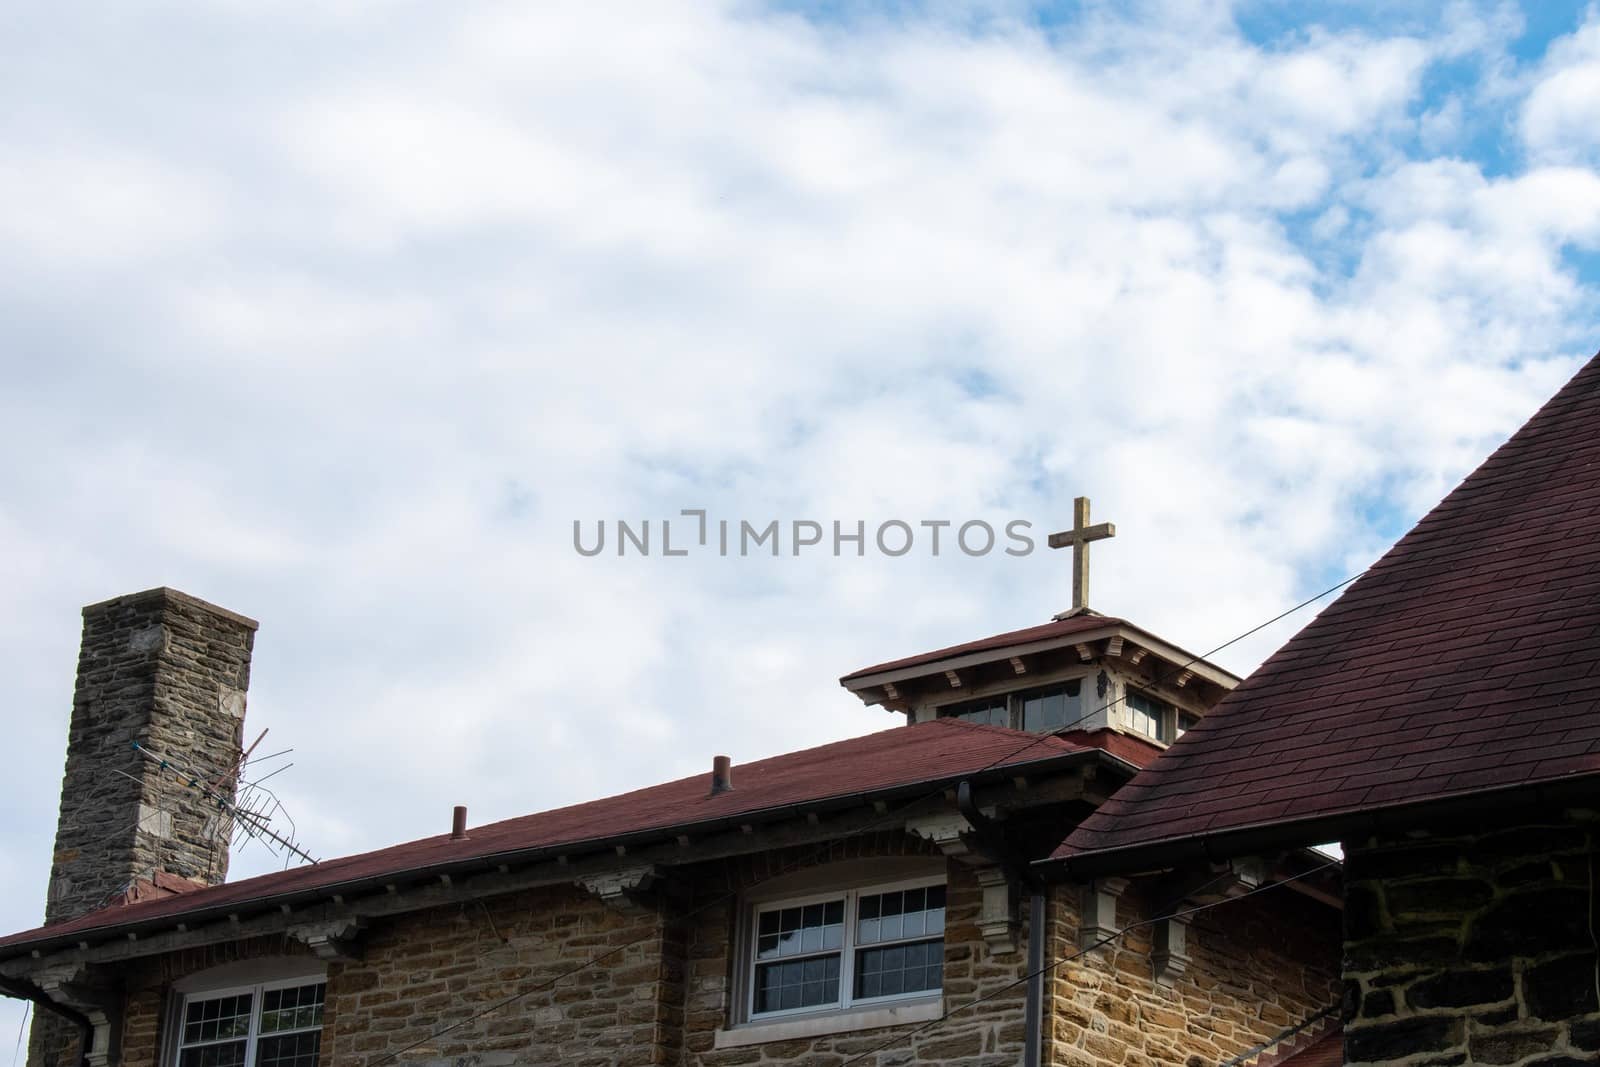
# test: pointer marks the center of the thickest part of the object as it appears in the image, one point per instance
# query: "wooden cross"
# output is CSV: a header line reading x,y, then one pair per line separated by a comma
x,y
1079,537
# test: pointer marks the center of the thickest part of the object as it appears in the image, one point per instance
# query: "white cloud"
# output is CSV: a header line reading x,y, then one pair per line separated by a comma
x,y
349,340
1561,114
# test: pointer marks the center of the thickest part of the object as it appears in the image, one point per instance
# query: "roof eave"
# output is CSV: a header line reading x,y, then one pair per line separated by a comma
x,y
858,683
1342,826
523,857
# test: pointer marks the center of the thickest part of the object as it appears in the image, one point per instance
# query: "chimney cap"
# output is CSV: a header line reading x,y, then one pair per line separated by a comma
x,y
458,823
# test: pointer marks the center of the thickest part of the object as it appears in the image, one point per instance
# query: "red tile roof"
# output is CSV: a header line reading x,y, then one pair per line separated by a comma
x,y
904,758
1467,659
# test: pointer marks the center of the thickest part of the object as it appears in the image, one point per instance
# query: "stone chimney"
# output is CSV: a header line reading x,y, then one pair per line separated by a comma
x,y
169,672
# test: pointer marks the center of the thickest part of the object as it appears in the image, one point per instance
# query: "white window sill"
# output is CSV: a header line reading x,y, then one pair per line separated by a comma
x,y
840,1022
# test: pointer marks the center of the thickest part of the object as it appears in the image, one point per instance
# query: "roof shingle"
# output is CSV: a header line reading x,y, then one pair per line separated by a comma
x,y
1466,659
882,762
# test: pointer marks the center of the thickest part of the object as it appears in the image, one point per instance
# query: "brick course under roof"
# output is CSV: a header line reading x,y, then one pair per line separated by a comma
x,y
1466,660
900,758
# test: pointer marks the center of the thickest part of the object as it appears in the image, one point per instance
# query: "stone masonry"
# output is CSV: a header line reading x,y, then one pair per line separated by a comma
x,y
1474,946
170,672
1255,968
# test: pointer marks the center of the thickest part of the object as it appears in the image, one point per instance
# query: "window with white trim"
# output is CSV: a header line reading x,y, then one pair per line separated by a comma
x,y
855,948
278,1024
1149,716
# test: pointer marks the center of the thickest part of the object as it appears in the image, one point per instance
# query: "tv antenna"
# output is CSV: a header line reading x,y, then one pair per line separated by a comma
x,y
246,809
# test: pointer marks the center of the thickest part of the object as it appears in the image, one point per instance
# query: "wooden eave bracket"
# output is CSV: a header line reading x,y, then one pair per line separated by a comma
x,y
627,889
947,830
334,941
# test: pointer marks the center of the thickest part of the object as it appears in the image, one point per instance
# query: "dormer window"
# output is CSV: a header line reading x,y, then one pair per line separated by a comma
x,y
994,711
1053,707
1149,717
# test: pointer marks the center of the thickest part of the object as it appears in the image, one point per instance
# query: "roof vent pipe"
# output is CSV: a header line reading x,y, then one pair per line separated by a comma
x,y
458,823
721,775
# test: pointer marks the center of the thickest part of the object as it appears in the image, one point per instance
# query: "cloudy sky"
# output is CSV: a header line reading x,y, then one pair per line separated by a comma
x,y
340,315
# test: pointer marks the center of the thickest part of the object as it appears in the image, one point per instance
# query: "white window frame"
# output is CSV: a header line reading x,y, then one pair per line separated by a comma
x,y
847,950
1165,717
257,995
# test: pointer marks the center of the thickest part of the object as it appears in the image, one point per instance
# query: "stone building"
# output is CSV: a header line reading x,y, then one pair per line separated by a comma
x,y
1442,720
879,900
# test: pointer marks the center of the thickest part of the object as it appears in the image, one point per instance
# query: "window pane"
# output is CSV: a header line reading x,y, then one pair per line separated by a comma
x,y
1147,716
983,712
906,913
1054,708
296,1008
896,969
218,1019
795,984
801,930
289,1050
230,1054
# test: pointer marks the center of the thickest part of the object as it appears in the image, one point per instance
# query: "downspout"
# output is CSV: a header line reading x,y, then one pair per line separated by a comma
x,y
1033,1013
991,843
24,991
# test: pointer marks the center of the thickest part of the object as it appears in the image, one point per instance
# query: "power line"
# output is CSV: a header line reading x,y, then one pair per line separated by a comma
x,y
1051,966
21,1029
1256,1050
889,819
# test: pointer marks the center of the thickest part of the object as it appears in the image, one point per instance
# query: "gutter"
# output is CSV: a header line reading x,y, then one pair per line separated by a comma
x,y
24,991
376,883
1269,837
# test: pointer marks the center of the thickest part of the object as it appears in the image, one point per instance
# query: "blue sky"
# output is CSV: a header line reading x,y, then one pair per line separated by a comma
x,y
340,315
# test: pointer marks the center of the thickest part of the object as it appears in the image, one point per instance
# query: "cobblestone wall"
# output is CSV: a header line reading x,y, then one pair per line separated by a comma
x,y
1473,948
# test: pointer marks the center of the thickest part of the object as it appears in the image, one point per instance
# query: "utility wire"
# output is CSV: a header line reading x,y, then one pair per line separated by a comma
x,y
889,819
1051,966
21,1029
1257,1050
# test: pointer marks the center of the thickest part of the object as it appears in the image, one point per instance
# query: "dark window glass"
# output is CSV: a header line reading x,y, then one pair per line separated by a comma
x,y
1053,708
989,712
289,1050
1148,716
228,1054
295,1008
811,983
797,931
217,1019
1186,722
894,969
902,913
